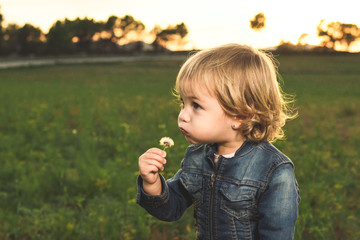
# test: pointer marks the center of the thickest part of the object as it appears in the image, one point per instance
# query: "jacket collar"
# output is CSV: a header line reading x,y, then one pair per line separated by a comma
x,y
244,149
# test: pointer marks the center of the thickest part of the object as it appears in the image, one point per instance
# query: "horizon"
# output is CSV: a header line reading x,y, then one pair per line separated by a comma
x,y
209,23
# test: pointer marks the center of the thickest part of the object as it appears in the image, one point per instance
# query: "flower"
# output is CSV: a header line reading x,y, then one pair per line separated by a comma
x,y
166,142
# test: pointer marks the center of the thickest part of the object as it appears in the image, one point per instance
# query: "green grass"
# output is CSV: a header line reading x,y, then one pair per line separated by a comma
x,y
70,137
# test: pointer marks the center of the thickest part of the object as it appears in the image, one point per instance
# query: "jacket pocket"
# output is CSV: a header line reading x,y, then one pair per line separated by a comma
x,y
193,183
238,200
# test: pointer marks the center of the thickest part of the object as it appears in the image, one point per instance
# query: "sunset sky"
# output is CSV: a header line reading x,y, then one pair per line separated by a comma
x,y
210,22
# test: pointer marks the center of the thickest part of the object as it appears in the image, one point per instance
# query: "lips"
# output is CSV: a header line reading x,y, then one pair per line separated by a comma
x,y
184,132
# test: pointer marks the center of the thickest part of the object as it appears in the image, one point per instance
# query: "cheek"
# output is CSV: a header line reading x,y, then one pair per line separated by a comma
x,y
224,122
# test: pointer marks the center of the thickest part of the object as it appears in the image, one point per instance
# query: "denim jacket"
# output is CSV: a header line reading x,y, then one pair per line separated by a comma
x,y
253,195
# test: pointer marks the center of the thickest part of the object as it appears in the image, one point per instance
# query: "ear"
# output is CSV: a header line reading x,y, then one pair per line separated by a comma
x,y
236,123
238,120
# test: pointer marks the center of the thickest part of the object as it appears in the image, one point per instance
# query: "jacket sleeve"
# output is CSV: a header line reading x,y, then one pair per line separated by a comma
x,y
171,204
279,205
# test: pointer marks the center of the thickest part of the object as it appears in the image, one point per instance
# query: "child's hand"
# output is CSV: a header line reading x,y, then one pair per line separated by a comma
x,y
150,163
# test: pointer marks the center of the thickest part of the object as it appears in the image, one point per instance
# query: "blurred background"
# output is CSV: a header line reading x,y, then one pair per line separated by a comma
x,y
86,88
42,27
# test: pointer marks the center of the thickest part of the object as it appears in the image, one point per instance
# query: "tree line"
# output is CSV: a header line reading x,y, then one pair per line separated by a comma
x,y
84,36
332,34
89,36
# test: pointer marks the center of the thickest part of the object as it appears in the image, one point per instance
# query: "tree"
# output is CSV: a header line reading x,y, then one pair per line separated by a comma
x,y
83,31
1,21
1,32
337,32
170,34
70,35
82,35
258,22
119,28
59,38
10,43
302,39
29,38
22,40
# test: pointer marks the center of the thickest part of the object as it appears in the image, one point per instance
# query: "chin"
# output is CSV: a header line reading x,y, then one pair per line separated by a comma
x,y
191,141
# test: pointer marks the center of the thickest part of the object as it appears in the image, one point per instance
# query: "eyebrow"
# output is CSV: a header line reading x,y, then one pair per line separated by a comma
x,y
194,97
191,97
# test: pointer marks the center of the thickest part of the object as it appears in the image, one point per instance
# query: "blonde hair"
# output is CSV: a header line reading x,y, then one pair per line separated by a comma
x,y
244,81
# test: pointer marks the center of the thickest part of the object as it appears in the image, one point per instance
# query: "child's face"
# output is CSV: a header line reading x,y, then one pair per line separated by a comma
x,y
202,120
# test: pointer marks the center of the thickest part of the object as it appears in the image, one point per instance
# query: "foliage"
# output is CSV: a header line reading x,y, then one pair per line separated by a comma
x,y
70,137
119,28
83,31
21,40
169,34
258,23
337,32
1,21
82,36
78,35
29,38
59,38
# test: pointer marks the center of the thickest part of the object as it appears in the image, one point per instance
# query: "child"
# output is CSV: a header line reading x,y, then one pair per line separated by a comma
x,y
241,185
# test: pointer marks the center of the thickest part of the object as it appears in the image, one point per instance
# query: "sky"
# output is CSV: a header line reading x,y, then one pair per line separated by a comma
x,y
210,22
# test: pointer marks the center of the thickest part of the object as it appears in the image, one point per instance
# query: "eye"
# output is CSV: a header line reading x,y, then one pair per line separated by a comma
x,y
196,106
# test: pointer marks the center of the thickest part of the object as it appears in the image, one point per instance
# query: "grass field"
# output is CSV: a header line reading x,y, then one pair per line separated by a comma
x,y
70,137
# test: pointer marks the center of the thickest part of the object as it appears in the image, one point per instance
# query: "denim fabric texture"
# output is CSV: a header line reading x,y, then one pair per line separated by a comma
x,y
253,195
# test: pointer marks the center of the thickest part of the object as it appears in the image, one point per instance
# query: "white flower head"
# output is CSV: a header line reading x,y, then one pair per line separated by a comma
x,y
166,142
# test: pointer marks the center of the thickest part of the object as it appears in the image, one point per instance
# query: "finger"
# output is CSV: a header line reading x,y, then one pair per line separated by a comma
x,y
153,170
150,165
150,176
159,166
153,156
157,151
149,170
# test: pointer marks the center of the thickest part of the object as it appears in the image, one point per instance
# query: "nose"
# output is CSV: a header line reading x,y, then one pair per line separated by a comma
x,y
184,116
